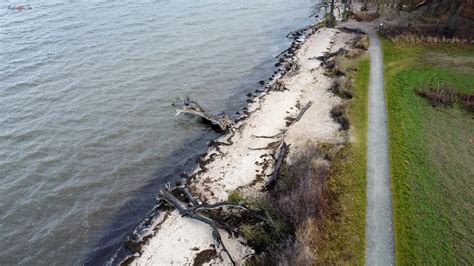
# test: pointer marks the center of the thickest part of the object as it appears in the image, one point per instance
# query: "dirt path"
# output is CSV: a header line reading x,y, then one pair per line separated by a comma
x,y
379,227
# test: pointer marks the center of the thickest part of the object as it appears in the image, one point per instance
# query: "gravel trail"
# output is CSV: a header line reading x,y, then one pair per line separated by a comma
x,y
380,247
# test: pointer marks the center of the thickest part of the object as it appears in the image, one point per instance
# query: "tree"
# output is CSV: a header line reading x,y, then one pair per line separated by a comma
x,y
453,17
331,19
346,9
397,4
365,7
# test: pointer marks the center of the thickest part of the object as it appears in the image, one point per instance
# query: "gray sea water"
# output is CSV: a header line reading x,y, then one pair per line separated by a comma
x,y
85,107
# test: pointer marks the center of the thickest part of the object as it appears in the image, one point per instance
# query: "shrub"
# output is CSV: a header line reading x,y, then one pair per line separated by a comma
x,y
338,113
342,87
334,67
298,203
467,102
235,196
354,53
361,42
442,94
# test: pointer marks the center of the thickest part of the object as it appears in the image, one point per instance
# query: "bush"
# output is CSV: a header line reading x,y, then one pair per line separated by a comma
x,y
361,42
467,102
342,87
442,94
298,202
334,67
235,196
338,113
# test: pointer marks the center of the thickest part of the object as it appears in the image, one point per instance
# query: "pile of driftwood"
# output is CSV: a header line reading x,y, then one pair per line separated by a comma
x,y
226,216
220,122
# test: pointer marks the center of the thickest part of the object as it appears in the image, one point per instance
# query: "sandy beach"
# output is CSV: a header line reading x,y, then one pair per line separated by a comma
x,y
244,159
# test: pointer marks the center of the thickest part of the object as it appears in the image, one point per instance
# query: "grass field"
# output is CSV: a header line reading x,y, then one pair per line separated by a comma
x,y
348,179
432,155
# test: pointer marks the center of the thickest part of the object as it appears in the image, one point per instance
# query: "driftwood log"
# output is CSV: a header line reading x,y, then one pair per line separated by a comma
x,y
278,163
221,122
328,56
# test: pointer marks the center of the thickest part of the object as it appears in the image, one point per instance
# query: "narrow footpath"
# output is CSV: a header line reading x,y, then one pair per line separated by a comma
x,y
380,247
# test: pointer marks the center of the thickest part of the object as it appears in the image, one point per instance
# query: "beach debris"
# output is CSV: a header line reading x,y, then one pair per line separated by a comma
x,y
19,7
183,201
278,163
282,133
279,86
328,56
221,122
352,30
270,146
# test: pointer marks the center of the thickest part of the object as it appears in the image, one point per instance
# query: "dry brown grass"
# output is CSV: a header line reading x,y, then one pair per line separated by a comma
x,y
426,33
361,42
467,102
420,39
300,190
301,198
444,94
354,53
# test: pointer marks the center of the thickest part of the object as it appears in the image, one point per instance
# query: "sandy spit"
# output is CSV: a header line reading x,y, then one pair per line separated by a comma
x,y
245,161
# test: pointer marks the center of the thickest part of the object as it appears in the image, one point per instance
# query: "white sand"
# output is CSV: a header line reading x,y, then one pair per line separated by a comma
x,y
179,239
236,166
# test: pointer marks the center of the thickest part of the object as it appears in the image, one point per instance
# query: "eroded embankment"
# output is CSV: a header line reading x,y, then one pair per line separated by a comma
x,y
297,107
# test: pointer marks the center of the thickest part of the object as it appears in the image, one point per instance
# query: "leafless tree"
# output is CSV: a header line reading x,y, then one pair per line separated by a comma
x,y
453,17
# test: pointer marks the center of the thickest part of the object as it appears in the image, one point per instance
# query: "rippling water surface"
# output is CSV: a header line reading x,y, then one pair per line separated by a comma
x,y
85,114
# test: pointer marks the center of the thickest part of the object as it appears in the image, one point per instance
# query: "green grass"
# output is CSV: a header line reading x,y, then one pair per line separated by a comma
x,y
431,155
348,179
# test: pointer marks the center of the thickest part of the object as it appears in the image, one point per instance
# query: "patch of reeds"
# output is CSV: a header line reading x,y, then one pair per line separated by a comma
x,y
429,34
444,94
295,206
467,102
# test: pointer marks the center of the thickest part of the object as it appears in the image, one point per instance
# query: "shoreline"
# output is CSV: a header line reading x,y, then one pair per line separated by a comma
x,y
242,160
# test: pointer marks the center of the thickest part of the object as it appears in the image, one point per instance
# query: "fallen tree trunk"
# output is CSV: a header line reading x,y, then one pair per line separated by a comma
x,y
195,211
188,212
305,108
221,122
279,161
328,56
